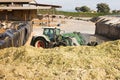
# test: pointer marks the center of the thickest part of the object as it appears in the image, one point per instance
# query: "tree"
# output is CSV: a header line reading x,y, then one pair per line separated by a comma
x,y
103,8
116,11
84,9
77,9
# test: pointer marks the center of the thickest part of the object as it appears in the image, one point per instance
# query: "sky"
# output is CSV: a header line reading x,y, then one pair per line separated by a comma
x,y
69,5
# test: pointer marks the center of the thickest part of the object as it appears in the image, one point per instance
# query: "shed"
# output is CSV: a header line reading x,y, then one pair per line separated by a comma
x,y
21,10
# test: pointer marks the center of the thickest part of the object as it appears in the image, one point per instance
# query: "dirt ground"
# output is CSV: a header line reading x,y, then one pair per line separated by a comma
x,y
86,28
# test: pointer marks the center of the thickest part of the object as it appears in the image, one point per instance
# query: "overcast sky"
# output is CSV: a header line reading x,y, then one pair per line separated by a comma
x,y
69,5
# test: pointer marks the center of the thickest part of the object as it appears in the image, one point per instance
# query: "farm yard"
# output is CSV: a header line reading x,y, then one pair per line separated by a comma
x,y
58,45
73,62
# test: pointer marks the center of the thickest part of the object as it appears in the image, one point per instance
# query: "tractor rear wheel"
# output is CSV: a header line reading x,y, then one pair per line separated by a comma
x,y
39,42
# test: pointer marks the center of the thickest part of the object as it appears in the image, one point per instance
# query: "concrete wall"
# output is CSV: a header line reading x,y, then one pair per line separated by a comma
x,y
108,27
16,38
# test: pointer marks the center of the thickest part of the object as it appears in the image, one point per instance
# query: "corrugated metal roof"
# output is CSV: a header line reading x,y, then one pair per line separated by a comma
x,y
16,0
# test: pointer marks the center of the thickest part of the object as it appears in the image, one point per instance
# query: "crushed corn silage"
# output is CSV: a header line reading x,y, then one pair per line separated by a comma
x,y
63,63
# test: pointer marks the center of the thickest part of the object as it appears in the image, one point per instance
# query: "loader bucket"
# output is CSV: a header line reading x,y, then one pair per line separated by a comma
x,y
76,36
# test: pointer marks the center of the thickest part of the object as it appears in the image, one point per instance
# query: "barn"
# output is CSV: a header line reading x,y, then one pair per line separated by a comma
x,y
16,20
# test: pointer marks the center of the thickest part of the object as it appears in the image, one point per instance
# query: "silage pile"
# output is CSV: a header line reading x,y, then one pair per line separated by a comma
x,y
64,63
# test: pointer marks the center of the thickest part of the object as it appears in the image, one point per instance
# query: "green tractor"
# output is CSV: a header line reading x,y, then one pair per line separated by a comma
x,y
54,37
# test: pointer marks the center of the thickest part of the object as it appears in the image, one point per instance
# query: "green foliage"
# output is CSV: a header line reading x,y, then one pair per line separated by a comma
x,y
84,9
75,14
80,14
77,9
103,8
116,11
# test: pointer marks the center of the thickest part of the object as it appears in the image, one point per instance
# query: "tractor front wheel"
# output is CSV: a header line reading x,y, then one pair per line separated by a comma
x,y
40,43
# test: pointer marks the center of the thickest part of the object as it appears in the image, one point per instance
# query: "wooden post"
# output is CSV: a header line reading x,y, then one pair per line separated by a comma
x,y
52,13
6,21
48,18
6,16
25,16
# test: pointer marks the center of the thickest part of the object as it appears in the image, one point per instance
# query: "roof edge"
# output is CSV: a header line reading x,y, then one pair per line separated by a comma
x,y
53,6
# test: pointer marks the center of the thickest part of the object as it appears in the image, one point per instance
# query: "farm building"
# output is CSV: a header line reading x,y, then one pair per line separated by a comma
x,y
21,10
16,20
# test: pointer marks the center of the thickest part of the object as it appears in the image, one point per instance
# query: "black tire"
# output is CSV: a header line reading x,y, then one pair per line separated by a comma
x,y
62,44
39,42
92,43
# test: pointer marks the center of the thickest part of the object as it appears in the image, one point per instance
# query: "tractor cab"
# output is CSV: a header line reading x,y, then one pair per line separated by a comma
x,y
51,33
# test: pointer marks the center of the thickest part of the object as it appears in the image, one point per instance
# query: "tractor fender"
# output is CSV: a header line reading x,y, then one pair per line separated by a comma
x,y
43,37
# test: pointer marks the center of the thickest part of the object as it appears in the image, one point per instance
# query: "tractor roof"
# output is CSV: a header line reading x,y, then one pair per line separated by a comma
x,y
51,27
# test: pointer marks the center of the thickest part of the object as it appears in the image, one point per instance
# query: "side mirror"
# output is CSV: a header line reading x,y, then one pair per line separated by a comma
x,y
58,25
